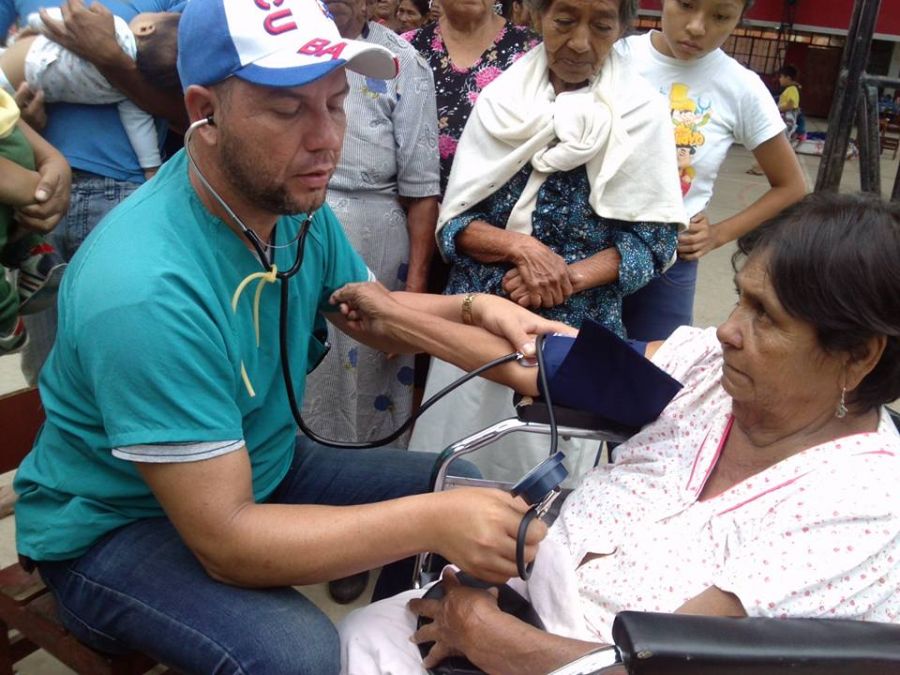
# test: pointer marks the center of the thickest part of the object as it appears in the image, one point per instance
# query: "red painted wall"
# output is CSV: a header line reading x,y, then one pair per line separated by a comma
x,y
831,14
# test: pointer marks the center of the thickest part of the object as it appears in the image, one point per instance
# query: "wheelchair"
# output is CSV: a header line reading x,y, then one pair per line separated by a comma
x,y
650,643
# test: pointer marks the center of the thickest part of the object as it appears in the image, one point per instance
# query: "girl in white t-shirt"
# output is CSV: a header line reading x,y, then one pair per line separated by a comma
x,y
714,102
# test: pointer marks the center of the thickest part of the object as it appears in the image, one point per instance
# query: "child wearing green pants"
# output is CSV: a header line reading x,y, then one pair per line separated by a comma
x,y
31,267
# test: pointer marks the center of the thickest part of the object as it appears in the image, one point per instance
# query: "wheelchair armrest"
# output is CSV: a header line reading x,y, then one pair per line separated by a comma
x,y
530,409
682,644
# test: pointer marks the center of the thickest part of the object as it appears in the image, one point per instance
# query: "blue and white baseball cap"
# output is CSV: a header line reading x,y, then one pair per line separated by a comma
x,y
274,43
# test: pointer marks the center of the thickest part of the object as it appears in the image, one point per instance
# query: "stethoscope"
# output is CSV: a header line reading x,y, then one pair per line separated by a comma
x,y
545,473
251,236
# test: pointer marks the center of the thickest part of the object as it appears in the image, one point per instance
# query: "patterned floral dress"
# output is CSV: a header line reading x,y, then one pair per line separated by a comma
x,y
457,88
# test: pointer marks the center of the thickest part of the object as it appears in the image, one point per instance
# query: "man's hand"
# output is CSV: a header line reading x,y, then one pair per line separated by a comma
x,y
518,325
479,532
452,617
31,106
543,273
51,195
698,240
89,32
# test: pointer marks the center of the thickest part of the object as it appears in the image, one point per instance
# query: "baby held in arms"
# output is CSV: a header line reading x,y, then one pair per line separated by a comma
x,y
150,38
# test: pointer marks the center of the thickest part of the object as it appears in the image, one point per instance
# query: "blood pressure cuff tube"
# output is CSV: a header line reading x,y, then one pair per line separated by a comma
x,y
601,373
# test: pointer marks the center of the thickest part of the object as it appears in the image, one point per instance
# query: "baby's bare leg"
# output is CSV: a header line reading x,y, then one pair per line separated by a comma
x,y
12,61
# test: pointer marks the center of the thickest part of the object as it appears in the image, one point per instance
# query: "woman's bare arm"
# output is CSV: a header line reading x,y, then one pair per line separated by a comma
x,y
787,185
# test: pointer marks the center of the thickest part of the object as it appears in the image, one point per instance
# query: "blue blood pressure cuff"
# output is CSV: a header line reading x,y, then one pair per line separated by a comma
x,y
601,373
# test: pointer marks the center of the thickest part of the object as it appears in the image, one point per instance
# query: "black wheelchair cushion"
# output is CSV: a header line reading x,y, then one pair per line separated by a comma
x,y
508,600
680,644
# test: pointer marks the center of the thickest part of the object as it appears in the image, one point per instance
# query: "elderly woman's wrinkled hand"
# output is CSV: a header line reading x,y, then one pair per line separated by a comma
x,y
89,32
542,276
518,325
452,618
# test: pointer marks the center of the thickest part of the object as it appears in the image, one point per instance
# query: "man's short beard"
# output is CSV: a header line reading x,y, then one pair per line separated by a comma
x,y
252,180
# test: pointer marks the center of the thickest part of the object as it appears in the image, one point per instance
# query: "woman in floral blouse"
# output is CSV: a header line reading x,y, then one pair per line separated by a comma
x,y
467,49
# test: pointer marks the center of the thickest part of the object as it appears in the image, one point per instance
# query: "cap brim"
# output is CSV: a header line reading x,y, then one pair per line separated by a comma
x,y
276,70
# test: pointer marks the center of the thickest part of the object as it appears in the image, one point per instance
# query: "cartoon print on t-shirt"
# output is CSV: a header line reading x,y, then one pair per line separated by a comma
x,y
688,116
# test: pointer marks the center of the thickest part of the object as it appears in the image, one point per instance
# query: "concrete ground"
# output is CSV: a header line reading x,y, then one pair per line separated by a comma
x,y
715,296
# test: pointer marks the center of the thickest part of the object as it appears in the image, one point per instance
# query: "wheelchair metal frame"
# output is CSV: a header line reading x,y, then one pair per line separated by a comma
x,y
469,444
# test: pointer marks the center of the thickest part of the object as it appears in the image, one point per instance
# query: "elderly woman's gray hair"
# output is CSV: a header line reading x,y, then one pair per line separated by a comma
x,y
833,262
628,10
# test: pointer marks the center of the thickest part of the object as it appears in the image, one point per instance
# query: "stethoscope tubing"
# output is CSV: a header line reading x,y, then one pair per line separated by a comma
x,y
260,248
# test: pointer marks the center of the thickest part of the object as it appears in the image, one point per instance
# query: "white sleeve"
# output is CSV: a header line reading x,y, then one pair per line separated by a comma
x,y
686,348
831,549
758,116
167,453
141,130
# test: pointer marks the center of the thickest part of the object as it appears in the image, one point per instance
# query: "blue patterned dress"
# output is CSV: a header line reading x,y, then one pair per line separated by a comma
x,y
564,221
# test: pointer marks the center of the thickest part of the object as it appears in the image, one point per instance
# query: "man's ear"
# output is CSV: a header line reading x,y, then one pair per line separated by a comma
x,y
202,103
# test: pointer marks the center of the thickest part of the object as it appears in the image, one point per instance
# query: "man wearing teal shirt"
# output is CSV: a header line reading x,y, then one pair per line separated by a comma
x,y
167,503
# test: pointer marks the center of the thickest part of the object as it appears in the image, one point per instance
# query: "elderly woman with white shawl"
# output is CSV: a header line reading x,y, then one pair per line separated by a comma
x,y
563,196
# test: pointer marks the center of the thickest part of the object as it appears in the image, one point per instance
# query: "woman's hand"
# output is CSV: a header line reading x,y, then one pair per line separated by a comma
x,y
367,306
543,273
518,291
698,240
460,610
89,32
518,325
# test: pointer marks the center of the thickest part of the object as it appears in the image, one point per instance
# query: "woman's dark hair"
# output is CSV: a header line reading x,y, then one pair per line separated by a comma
x,y
422,6
834,262
627,11
157,53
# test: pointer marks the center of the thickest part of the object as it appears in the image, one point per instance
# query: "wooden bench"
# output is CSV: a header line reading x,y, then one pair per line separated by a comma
x,y
28,617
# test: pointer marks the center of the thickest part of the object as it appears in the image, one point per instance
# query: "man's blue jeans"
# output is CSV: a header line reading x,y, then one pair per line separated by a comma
x,y
141,588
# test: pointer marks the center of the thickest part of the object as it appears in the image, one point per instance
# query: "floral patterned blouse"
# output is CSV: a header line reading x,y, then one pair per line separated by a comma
x,y
564,221
457,89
